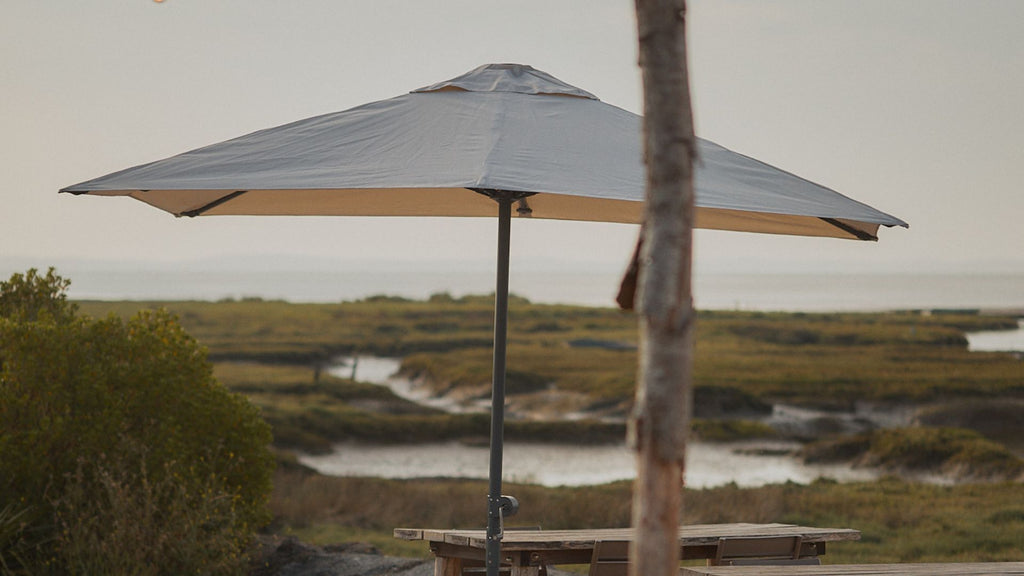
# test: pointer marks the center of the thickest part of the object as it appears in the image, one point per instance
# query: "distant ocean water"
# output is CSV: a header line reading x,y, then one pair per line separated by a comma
x,y
717,291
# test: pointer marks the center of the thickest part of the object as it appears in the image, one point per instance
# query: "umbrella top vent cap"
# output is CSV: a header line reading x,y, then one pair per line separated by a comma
x,y
518,78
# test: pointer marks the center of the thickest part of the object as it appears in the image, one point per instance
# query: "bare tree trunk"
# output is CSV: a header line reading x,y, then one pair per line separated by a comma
x,y
661,420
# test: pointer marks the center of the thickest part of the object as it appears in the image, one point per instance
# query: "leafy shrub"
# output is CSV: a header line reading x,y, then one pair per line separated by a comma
x,y
30,297
115,438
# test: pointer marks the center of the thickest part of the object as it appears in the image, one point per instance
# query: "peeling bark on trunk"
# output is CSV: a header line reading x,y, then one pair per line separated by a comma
x,y
661,420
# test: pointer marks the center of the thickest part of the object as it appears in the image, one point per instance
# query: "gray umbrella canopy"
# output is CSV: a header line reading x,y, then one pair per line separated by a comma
x,y
501,139
499,127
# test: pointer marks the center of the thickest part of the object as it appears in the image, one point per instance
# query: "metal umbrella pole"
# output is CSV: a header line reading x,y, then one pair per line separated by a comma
x,y
499,506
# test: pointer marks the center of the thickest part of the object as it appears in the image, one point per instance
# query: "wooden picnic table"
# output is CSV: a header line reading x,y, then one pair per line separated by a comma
x,y
526,551
908,569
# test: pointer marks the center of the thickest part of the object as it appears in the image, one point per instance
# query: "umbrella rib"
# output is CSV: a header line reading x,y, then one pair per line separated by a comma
x,y
199,211
860,234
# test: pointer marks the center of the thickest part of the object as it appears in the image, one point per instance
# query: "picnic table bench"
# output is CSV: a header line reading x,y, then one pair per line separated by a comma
x,y
908,569
527,551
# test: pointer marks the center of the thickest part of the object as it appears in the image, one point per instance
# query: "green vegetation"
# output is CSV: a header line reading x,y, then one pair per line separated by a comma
x,y
729,430
999,419
824,360
899,521
746,361
117,435
839,359
121,453
123,447
953,452
311,416
277,331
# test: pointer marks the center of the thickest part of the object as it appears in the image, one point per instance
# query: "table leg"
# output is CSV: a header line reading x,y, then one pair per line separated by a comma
x,y
444,566
525,564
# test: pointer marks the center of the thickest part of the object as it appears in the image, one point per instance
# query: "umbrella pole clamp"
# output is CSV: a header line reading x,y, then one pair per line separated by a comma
x,y
499,509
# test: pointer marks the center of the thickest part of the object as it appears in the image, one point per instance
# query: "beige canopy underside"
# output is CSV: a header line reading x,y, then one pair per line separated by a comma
x,y
467,203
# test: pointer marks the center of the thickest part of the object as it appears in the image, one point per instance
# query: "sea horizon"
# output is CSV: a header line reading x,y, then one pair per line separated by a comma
x,y
586,284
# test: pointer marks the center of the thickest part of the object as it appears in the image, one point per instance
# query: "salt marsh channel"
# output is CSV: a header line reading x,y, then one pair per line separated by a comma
x,y
746,464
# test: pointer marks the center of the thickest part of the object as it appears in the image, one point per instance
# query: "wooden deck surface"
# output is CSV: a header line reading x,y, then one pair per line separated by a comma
x,y
908,569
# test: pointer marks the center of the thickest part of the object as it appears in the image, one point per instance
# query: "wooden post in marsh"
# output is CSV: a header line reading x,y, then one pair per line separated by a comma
x,y
661,419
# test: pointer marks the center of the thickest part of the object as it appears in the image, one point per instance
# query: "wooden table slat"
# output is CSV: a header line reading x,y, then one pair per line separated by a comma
x,y
689,535
527,550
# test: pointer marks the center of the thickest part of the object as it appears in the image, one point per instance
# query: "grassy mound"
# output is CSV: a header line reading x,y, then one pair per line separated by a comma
x,y
951,452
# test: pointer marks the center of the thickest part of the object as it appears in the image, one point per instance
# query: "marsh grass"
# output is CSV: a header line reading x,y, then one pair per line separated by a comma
x,y
284,332
951,452
911,522
829,361
899,521
17,541
730,430
112,519
1000,419
312,415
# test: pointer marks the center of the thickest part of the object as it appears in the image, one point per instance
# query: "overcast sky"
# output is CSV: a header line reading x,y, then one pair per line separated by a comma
x,y
914,107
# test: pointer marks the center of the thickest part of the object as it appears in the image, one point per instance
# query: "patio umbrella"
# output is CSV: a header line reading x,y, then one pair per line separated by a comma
x,y
498,140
